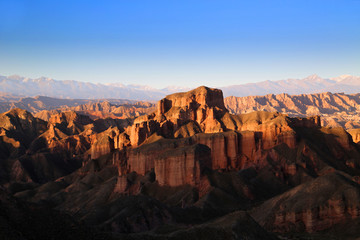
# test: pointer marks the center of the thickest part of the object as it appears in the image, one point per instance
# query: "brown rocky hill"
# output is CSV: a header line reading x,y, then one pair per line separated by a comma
x,y
100,108
106,109
190,170
317,205
34,150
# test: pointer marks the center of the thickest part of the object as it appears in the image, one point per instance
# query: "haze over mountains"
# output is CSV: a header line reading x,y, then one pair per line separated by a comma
x,y
49,87
310,84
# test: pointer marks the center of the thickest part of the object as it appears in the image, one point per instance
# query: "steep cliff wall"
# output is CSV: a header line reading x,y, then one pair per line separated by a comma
x,y
198,117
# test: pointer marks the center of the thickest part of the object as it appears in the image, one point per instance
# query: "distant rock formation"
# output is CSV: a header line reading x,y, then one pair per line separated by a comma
x,y
106,109
42,107
335,109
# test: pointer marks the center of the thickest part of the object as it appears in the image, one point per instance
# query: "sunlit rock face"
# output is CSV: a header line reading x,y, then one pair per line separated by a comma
x,y
199,118
190,154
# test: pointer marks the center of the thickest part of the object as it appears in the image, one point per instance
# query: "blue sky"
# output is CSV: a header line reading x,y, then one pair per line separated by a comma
x,y
186,43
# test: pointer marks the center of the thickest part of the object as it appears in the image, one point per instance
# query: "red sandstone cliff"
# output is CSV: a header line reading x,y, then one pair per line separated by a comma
x,y
235,141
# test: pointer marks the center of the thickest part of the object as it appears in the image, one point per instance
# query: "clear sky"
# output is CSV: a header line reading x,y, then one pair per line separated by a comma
x,y
186,43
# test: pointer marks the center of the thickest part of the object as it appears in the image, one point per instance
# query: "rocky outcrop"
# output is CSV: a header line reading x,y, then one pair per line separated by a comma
x,y
103,143
182,166
46,114
201,105
201,97
69,122
18,128
174,163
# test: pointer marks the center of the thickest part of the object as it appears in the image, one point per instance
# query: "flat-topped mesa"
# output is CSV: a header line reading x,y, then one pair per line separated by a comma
x,y
203,105
201,97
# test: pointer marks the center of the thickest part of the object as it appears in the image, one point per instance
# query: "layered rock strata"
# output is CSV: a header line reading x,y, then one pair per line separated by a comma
x,y
200,117
335,109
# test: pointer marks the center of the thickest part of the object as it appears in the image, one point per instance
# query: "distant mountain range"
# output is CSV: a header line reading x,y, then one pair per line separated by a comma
x,y
14,86
27,87
311,84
